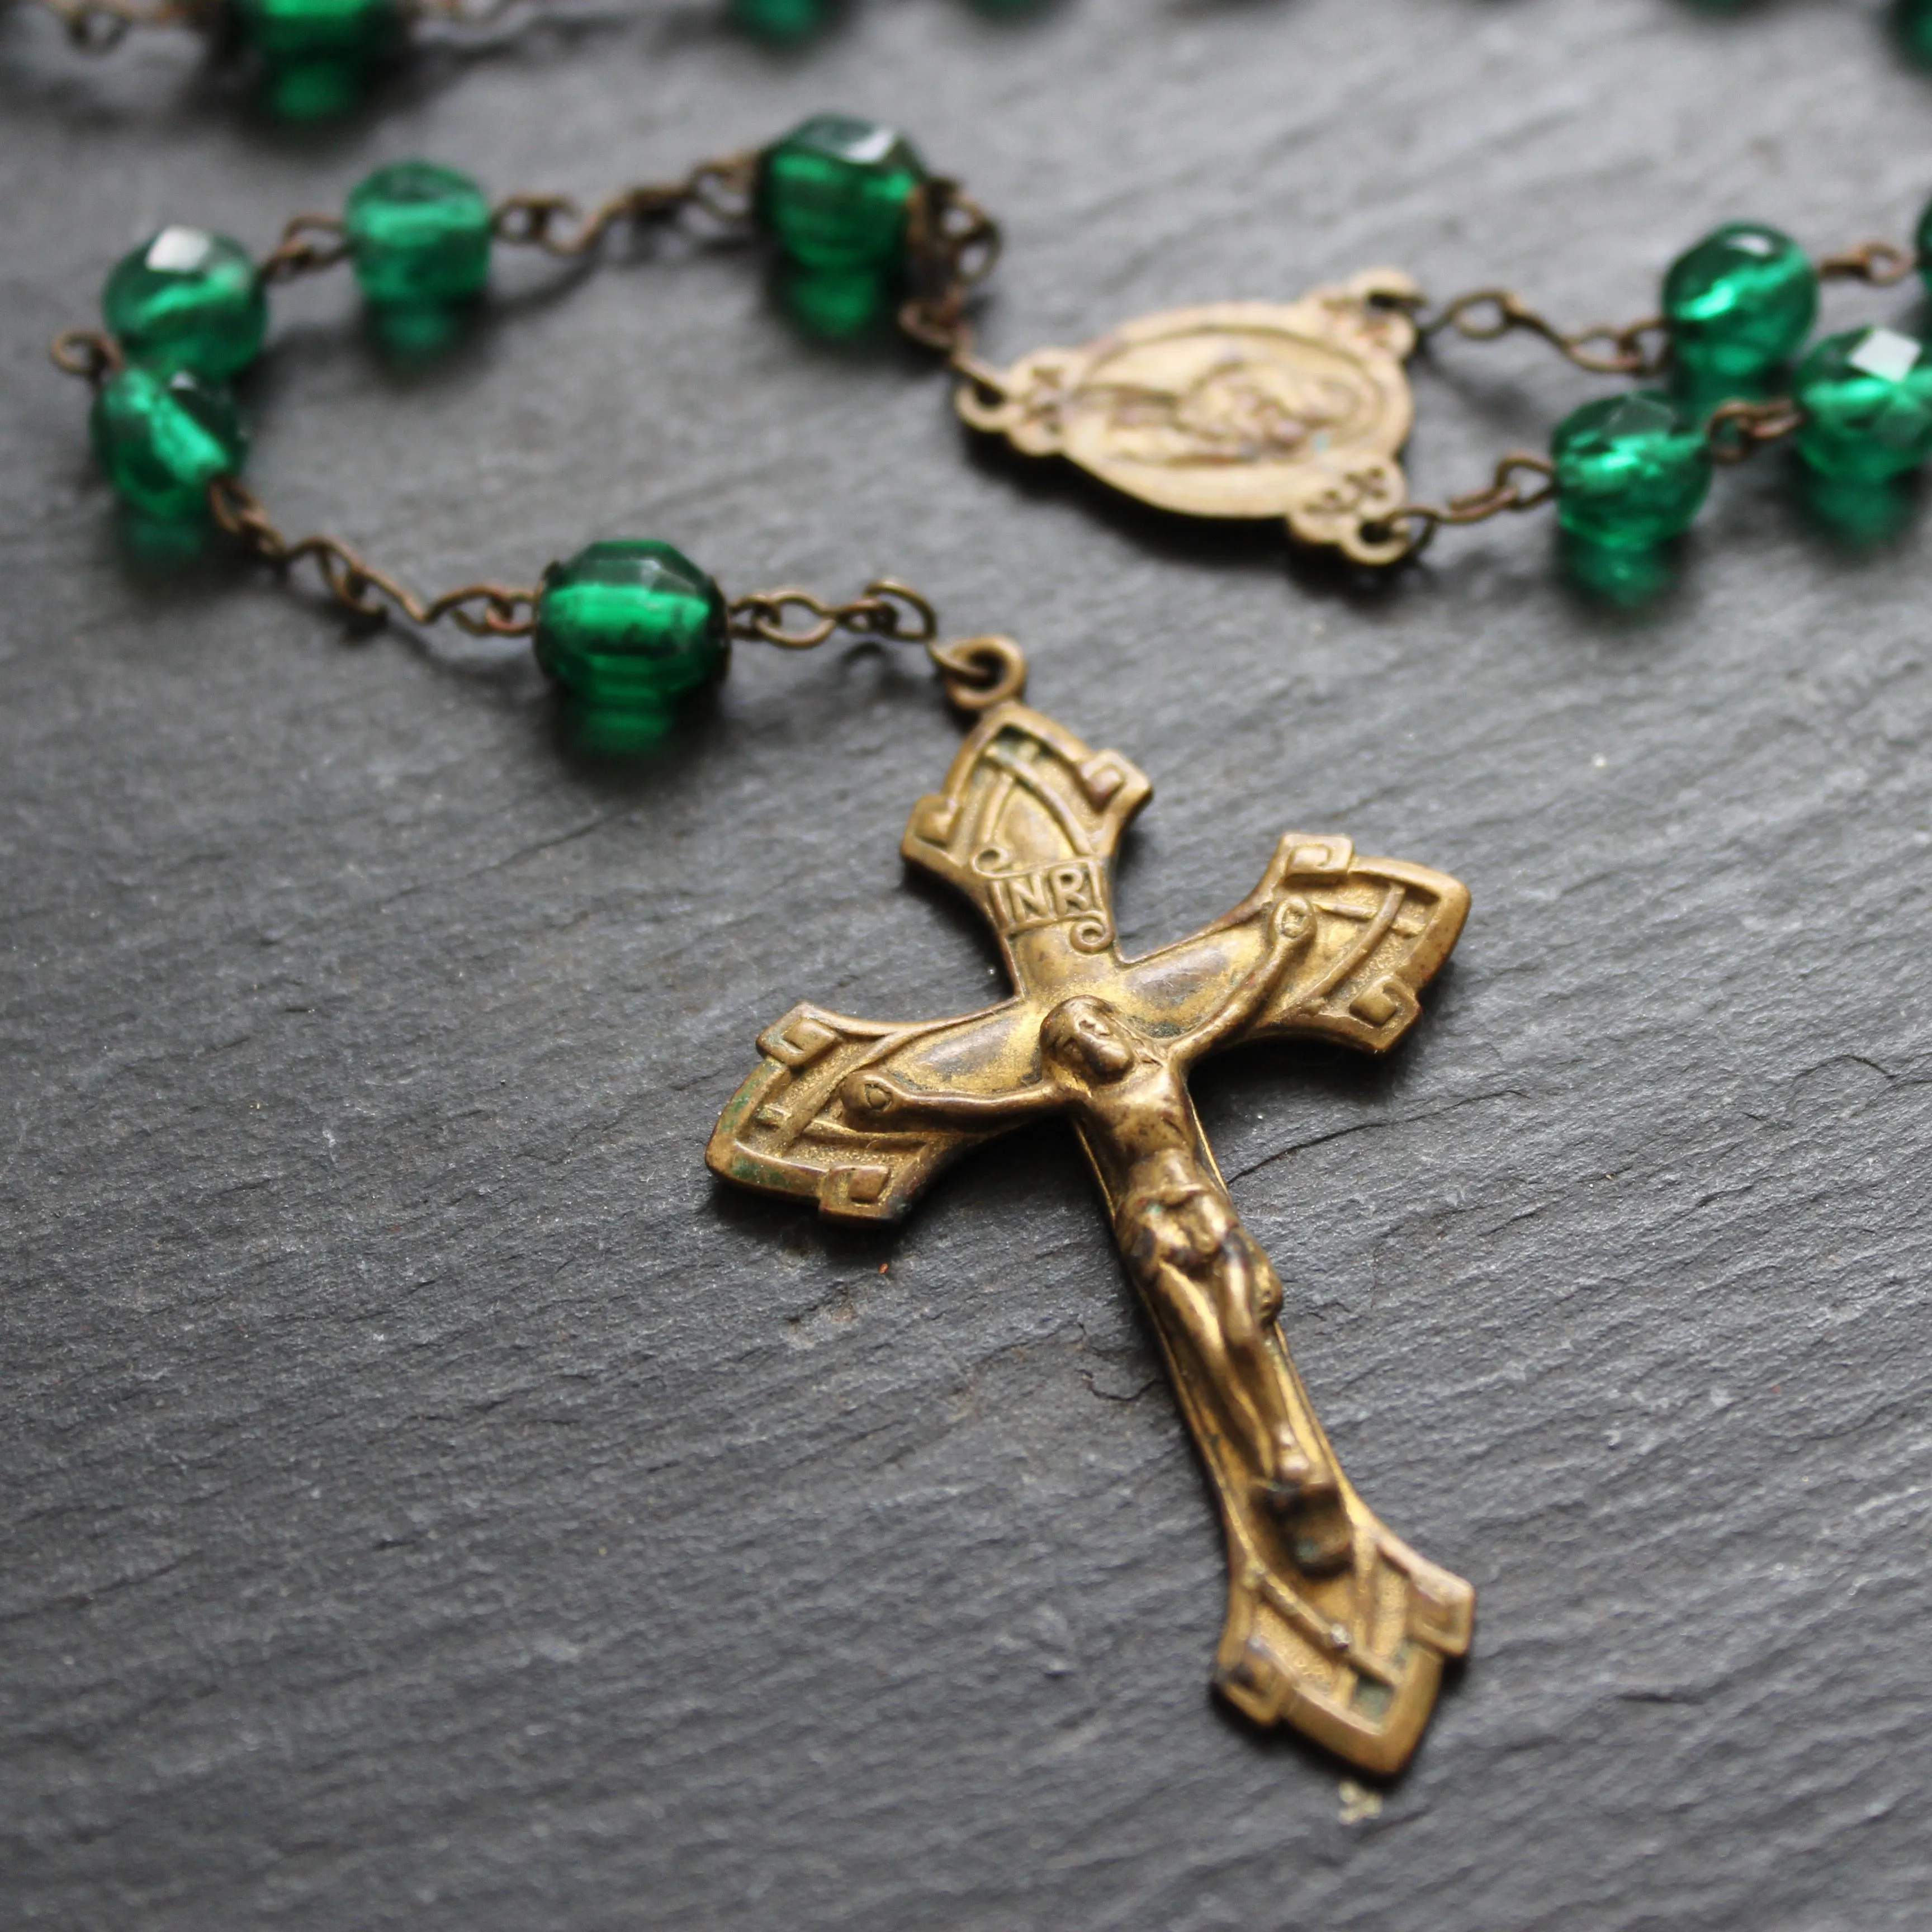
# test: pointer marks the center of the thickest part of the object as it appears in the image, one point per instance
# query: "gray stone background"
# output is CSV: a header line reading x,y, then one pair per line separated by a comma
x,y
431,1501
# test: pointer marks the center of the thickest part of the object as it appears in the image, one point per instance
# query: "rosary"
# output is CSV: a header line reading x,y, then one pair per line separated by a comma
x,y
315,58
1297,411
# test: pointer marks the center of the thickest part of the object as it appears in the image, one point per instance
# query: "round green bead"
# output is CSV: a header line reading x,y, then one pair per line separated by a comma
x,y
185,299
631,625
1867,400
1631,470
286,32
419,236
835,192
162,439
1740,303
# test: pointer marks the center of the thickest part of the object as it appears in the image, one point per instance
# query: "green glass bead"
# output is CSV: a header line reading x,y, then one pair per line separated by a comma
x,y
836,305
1631,470
1867,400
1740,303
286,32
781,21
1922,235
1618,575
185,299
1911,23
835,192
162,439
419,236
1862,517
321,89
631,625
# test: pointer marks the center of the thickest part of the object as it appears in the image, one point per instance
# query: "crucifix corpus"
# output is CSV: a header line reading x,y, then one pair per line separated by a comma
x,y
1333,1625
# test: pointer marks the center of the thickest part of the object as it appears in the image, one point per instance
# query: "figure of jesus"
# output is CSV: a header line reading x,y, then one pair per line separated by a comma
x,y
1209,1287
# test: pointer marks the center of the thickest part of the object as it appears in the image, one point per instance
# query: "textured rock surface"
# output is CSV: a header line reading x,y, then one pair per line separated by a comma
x,y
433,1503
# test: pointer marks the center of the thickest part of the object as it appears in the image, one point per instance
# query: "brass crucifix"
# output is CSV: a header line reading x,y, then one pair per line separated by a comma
x,y
1333,1625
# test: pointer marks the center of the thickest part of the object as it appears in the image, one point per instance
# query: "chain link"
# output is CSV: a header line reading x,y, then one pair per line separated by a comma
x,y
978,673
889,611
483,609
952,244
1504,494
309,244
1878,264
1484,315
721,189
1739,429
87,353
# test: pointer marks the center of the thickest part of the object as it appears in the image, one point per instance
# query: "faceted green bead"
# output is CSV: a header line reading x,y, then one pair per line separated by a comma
x,y
835,192
162,439
419,236
1867,400
284,32
1740,303
631,625
187,300
1630,470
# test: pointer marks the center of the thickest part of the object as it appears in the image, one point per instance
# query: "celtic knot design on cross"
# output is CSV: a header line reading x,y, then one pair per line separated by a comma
x,y
1334,1624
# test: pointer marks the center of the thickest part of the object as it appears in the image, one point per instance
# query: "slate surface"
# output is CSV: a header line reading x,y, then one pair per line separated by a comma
x,y
432,1502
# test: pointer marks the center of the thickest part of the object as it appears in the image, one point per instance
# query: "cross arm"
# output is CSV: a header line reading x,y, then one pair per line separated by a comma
x,y
798,1125
873,1097
1287,923
1378,929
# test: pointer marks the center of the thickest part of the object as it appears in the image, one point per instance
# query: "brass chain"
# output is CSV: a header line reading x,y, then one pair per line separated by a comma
x,y
1735,430
1484,315
889,611
309,244
483,609
978,673
721,189
1739,429
952,244
1504,494
1639,349
1878,264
